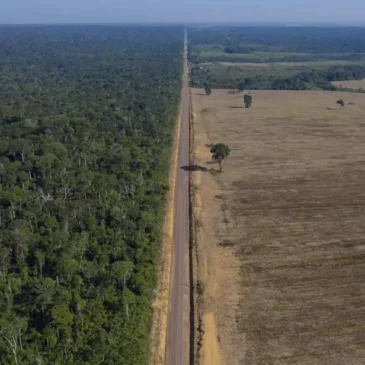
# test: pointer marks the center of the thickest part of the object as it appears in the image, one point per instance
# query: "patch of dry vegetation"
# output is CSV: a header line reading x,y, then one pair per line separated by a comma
x,y
282,238
351,84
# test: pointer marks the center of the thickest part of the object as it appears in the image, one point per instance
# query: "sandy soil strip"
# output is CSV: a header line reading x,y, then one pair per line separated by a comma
x,y
217,284
211,354
161,302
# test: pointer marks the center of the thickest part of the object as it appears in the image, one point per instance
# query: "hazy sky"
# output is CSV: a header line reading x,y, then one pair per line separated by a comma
x,y
106,11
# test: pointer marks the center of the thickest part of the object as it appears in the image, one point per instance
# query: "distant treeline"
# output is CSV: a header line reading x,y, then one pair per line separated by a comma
x,y
306,80
282,39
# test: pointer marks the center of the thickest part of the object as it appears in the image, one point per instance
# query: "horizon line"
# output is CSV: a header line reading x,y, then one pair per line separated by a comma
x,y
292,23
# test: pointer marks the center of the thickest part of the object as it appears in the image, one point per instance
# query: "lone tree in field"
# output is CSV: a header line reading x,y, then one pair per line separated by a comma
x,y
247,99
341,103
208,89
219,152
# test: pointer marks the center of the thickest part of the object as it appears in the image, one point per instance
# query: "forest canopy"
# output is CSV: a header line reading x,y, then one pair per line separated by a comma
x,y
86,122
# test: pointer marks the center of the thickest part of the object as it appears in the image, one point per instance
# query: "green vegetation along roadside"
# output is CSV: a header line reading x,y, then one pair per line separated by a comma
x,y
87,115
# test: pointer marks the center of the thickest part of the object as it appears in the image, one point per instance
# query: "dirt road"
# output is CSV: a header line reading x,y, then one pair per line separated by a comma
x,y
175,345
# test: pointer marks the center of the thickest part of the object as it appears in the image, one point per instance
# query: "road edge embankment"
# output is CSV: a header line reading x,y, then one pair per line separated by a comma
x,y
160,303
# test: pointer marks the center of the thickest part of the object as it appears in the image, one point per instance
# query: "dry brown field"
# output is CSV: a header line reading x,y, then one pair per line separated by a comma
x,y
351,84
281,232
321,64
251,64
265,64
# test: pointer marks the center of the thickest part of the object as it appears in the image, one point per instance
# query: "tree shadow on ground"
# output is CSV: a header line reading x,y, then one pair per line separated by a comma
x,y
331,109
215,172
209,145
194,168
212,162
201,94
233,92
236,107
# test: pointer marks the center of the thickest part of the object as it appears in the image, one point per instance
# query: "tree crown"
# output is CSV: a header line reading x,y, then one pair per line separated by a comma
x,y
220,151
208,89
247,99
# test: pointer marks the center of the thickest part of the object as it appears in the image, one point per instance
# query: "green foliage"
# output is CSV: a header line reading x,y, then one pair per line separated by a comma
x,y
86,124
219,152
276,44
299,80
247,100
207,89
341,103
241,86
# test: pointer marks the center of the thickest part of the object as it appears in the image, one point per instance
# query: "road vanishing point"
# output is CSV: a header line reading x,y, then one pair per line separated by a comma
x,y
175,331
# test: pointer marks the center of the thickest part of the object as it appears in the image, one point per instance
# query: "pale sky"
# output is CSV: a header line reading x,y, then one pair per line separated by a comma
x,y
119,11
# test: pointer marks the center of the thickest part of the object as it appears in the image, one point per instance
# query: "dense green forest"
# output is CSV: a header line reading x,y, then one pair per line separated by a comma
x,y
86,123
305,80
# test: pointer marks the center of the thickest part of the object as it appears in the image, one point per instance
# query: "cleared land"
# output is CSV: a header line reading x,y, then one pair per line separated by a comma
x,y
351,84
258,56
311,64
216,53
281,242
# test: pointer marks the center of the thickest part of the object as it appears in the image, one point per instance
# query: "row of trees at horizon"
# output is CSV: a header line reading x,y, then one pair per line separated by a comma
x,y
306,80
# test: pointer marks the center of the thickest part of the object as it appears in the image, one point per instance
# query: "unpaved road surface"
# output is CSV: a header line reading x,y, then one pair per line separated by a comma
x,y
175,345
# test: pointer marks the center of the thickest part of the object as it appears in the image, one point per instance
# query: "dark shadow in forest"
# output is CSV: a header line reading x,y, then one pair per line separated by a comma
x,y
194,168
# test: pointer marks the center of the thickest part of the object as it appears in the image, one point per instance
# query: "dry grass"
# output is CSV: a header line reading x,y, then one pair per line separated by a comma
x,y
283,235
315,64
251,64
351,84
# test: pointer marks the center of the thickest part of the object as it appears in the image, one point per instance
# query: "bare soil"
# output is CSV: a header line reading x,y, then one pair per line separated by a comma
x,y
351,84
294,64
251,64
281,231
